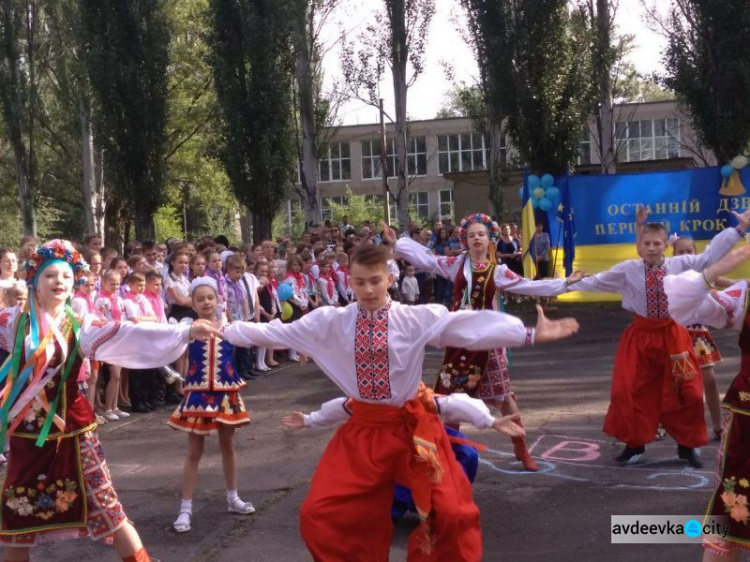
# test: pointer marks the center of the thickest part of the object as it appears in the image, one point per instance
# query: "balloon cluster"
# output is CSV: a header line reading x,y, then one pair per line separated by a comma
x,y
544,195
738,162
284,292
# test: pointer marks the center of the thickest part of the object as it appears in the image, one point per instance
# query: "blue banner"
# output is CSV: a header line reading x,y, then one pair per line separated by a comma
x,y
695,203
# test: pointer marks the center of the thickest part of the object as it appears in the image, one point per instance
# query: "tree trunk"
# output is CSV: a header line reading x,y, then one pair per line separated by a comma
x,y
606,106
144,221
306,92
90,194
261,227
399,58
25,195
100,207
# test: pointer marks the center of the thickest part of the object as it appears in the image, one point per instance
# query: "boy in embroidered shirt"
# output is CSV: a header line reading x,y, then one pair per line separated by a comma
x,y
347,511
656,375
238,309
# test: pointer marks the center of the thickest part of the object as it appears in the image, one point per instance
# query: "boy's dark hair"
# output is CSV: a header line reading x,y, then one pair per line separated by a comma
x,y
151,275
305,255
371,255
136,278
655,227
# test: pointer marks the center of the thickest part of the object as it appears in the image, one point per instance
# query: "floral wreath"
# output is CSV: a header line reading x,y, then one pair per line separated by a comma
x,y
59,250
493,230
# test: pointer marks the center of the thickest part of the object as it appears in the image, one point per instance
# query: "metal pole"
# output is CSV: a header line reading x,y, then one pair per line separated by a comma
x,y
384,167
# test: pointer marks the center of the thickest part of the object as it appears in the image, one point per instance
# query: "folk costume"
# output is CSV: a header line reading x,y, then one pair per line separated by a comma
x,y
391,436
692,301
212,385
656,377
57,484
484,373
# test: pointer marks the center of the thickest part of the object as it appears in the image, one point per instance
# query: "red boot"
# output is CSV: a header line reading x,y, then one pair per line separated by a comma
x,y
522,453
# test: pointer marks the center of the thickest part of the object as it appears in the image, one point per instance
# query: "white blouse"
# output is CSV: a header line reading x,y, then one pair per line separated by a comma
x,y
423,259
692,302
642,285
134,346
456,408
377,357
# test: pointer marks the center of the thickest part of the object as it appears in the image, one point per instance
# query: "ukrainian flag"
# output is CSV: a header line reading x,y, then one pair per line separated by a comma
x,y
528,229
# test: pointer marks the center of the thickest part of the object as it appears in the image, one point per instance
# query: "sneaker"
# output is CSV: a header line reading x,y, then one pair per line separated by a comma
x,y
111,416
120,414
630,455
182,524
239,506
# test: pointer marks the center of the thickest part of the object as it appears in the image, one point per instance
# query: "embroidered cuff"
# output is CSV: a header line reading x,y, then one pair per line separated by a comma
x,y
740,231
530,336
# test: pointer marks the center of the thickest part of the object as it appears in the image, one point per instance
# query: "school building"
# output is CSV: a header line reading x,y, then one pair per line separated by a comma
x,y
447,159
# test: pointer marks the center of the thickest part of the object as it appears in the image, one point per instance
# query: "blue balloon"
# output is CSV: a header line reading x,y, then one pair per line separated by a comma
x,y
534,182
284,291
547,181
520,193
534,203
553,194
727,171
545,204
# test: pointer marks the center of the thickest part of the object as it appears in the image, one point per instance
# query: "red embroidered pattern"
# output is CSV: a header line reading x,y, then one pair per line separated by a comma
x,y
371,354
104,337
657,305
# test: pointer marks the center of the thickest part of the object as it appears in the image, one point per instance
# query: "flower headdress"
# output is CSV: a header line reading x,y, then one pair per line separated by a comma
x,y
493,230
51,252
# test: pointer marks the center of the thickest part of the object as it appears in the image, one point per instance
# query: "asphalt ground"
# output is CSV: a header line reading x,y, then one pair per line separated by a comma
x,y
562,513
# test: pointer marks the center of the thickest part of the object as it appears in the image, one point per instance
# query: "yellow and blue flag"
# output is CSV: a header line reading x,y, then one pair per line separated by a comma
x,y
528,228
565,216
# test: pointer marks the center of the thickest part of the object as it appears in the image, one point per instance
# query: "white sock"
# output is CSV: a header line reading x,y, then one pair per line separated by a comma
x,y
186,506
260,356
232,495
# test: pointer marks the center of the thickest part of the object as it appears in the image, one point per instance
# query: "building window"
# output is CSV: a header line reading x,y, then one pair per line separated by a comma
x,y
420,204
446,203
416,158
326,211
584,147
657,139
462,153
336,165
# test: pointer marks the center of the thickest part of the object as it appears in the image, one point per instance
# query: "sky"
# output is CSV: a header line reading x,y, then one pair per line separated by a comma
x,y
446,46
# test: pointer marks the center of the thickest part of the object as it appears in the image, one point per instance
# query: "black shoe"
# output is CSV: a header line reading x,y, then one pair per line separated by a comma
x,y
630,455
139,409
158,404
688,454
149,406
173,399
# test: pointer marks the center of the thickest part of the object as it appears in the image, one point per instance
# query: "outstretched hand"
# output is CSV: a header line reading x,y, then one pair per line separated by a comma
x,y
577,276
641,216
295,420
389,235
509,425
203,330
743,219
550,330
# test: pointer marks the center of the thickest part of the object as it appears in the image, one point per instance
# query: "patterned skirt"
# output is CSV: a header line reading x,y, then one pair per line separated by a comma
x,y
103,514
201,412
733,483
704,345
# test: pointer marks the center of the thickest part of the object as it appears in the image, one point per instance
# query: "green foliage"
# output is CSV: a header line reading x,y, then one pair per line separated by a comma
x,y
253,71
127,57
708,66
535,57
358,207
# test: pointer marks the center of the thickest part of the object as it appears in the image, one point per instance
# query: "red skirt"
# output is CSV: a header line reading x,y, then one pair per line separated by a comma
x,y
652,384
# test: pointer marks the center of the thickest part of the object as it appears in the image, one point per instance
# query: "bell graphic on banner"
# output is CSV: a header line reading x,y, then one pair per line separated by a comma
x,y
731,184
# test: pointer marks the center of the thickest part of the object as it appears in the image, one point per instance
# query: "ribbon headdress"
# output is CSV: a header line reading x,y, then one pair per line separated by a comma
x,y
21,384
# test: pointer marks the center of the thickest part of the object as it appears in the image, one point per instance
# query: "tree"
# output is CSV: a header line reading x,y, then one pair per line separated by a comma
x,y
535,57
708,66
396,39
253,71
22,60
126,58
